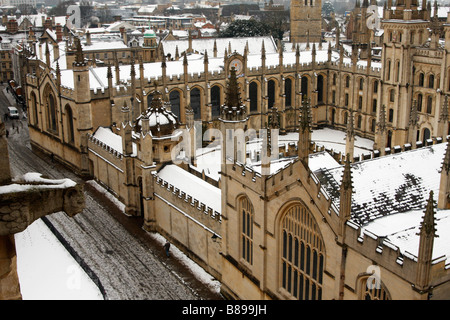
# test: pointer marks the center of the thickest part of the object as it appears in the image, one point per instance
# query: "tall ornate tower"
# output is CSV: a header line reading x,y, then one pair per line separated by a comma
x,y
306,21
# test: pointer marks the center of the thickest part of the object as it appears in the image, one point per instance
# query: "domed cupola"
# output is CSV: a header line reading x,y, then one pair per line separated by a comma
x,y
161,121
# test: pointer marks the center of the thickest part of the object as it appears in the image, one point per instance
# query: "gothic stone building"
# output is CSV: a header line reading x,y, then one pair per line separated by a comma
x,y
307,230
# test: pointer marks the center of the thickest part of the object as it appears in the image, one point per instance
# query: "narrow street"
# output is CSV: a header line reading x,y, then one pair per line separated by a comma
x,y
128,262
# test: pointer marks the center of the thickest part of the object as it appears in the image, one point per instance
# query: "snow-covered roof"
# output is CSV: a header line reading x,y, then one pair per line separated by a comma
x,y
391,184
109,138
193,186
237,44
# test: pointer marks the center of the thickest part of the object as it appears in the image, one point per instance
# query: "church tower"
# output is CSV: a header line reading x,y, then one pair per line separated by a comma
x,y
306,21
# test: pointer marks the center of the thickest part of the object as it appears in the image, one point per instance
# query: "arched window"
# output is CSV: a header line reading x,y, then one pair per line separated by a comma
x,y
429,104
246,212
391,115
373,125
392,95
373,291
271,93
253,95
388,70
51,112
419,102
215,102
174,97
69,123
304,87
426,135
35,114
320,82
374,106
431,81
375,86
288,92
347,81
359,122
302,254
196,103
421,79
361,83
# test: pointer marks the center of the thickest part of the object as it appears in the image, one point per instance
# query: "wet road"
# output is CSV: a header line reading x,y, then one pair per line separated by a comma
x,y
128,262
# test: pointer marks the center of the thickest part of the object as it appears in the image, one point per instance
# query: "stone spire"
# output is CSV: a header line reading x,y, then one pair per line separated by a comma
x,y
345,199
233,109
304,134
350,136
444,187
427,234
443,120
413,120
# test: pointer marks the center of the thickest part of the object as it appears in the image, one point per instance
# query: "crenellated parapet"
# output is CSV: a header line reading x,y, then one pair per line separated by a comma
x,y
387,255
186,203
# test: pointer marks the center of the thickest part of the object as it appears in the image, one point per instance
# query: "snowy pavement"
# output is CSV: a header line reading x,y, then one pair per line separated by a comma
x,y
129,265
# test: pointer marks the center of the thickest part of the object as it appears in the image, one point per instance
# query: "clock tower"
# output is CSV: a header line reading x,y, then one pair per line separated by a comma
x,y
306,21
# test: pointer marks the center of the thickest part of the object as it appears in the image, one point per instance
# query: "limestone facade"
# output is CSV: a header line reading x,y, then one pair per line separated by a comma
x,y
275,236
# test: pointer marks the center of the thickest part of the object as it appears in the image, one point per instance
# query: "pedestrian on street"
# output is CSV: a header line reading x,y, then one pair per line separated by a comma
x,y
167,247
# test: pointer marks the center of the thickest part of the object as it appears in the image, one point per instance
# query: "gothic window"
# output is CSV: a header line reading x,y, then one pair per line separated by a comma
x,y
334,79
392,95
431,81
346,100
421,79
359,122
196,103
70,127
333,97
429,104
34,109
397,73
374,106
347,81
302,254
419,102
320,88
174,98
253,95
388,70
345,117
271,93
373,125
304,87
215,102
51,113
361,84
360,102
375,87
288,92
246,213
391,115
371,291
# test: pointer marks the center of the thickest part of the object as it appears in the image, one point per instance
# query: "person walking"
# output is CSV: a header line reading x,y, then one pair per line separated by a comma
x,y
167,248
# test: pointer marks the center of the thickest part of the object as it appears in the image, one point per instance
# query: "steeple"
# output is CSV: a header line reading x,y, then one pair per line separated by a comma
x,y
427,234
350,137
443,120
345,199
413,120
444,187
